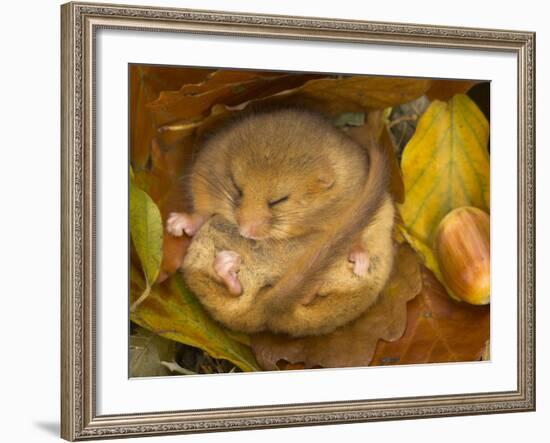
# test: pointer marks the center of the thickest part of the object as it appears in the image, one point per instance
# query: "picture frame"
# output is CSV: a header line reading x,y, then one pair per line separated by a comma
x,y
80,242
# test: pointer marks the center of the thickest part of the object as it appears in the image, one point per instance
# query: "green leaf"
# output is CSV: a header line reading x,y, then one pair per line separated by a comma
x,y
147,352
146,232
173,312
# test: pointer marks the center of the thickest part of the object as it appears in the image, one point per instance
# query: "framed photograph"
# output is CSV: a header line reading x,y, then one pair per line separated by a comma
x,y
283,221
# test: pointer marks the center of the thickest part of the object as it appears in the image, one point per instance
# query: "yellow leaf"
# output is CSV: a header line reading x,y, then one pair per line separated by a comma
x,y
445,166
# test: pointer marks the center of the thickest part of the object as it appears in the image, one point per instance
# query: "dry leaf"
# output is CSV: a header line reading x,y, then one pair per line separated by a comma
x,y
362,134
182,109
445,89
170,109
396,185
360,93
173,253
147,352
352,94
353,344
146,83
439,330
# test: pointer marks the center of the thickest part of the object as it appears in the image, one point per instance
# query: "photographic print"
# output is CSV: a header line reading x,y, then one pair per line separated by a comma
x,y
304,220
273,221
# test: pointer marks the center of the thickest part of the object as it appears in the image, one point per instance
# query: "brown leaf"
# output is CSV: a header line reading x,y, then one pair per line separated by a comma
x,y
355,343
181,110
396,184
445,89
330,96
439,330
222,78
360,93
146,83
376,126
173,253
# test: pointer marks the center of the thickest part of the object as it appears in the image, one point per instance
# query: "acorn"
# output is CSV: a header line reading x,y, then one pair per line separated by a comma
x,y
462,249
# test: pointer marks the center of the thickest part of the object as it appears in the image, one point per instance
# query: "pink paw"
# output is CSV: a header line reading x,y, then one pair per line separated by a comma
x,y
360,259
226,265
180,222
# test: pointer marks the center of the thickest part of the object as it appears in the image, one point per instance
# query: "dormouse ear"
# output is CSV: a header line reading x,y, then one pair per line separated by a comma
x,y
325,179
322,179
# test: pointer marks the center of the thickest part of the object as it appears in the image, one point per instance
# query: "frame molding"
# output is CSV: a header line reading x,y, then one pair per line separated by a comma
x,y
79,21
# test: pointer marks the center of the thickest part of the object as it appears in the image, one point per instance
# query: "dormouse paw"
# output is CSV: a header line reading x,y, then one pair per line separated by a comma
x,y
180,222
360,259
226,265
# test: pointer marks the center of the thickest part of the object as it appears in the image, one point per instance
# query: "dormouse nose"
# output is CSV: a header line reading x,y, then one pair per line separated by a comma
x,y
250,229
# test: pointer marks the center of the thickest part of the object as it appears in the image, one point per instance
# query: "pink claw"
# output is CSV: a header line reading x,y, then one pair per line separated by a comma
x,y
360,259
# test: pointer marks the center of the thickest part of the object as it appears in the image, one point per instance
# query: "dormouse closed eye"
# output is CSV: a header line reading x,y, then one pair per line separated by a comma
x,y
239,190
279,200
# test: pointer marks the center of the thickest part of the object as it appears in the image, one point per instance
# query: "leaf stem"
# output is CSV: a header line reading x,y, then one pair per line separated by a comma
x,y
141,298
177,368
402,119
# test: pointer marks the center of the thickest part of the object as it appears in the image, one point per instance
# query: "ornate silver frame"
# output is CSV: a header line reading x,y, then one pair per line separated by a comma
x,y
80,21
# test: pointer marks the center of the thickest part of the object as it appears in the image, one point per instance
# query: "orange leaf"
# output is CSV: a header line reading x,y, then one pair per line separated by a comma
x,y
360,93
146,83
439,330
173,253
182,109
445,89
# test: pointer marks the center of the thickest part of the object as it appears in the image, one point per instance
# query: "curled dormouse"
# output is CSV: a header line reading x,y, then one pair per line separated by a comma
x,y
290,200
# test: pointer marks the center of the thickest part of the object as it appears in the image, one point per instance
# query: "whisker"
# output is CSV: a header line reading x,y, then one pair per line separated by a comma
x,y
218,187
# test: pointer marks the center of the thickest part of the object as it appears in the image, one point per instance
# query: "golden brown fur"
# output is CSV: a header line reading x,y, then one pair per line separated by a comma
x,y
341,297
270,155
303,193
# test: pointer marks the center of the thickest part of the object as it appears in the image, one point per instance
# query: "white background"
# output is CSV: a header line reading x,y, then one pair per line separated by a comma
x,y
29,183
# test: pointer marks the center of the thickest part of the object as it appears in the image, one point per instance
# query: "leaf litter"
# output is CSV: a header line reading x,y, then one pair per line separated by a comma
x,y
414,321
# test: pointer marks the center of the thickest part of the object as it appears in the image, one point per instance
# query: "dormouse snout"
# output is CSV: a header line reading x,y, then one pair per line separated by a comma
x,y
253,217
253,230
253,225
